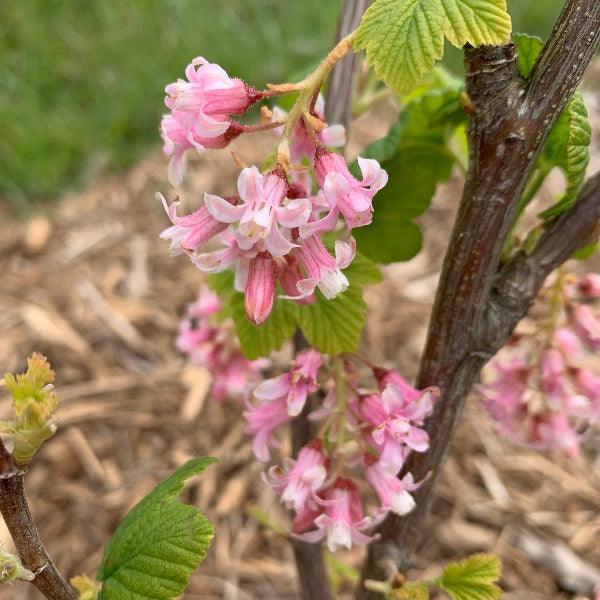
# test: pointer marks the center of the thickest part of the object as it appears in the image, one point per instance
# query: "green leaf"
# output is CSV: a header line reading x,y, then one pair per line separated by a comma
x,y
476,22
420,161
260,340
255,340
473,578
567,146
528,50
404,39
324,323
158,545
334,326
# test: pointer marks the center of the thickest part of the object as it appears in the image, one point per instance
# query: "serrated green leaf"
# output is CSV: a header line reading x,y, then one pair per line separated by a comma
x,y
473,578
528,50
567,146
476,22
261,340
334,326
411,591
586,252
326,329
158,545
421,160
403,40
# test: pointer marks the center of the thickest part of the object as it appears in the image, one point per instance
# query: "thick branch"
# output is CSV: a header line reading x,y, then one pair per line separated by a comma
x,y
18,519
506,134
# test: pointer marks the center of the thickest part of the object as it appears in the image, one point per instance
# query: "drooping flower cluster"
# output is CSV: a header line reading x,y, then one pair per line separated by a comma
x,y
212,345
363,436
543,388
270,232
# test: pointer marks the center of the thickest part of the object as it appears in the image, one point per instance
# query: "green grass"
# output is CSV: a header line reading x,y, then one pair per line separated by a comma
x,y
81,81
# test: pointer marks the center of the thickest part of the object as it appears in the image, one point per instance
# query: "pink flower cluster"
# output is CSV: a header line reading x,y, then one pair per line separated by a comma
x,y
543,389
213,346
270,232
362,436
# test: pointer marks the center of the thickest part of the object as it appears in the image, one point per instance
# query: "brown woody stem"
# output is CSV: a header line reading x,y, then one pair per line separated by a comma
x,y
20,524
478,302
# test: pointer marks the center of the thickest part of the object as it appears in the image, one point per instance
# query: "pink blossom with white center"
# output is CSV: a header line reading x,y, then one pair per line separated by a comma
x,y
288,275
190,231
395,424
322,269
260,288
180,133
343,192
295,385
210,94
301,479
302,144
261,211
213,346
394,493
342,521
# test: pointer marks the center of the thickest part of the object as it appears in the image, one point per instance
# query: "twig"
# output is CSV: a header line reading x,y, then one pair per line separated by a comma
x,y
18,519
507,131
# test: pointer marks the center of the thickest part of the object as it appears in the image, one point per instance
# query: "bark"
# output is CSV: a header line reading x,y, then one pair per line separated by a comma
x,y
479,301
20,524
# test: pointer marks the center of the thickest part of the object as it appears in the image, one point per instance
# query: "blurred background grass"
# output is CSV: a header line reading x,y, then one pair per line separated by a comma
x,y
81,82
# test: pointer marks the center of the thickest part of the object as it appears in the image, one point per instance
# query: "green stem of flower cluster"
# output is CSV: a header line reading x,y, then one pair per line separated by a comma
x,y
308,88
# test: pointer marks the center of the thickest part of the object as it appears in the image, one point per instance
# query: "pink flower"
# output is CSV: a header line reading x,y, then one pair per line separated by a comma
x,y
302,144
395,424
262,420
342,521
229,256
260,288
189,231
553,431
393,493
322,269
180,133
586,322
301,479
385,377
261,211
588,384
589,285
295,385
343,192
210,94
288,275
212,346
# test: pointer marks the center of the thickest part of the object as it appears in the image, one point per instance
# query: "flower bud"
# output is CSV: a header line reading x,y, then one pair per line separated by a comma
x,y
260,288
